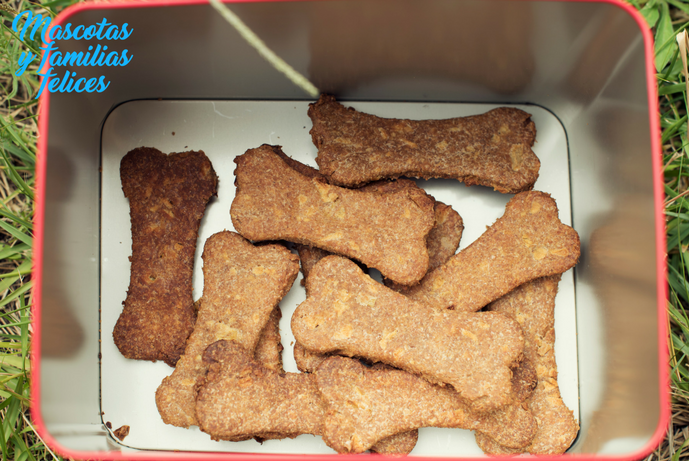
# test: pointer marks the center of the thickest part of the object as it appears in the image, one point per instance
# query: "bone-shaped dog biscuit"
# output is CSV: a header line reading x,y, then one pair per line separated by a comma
x,y
368,403
268,354
442,243
239,399
348,312
167,196
242,285
532,305
524,376
386,231
491,149
523,383
526,243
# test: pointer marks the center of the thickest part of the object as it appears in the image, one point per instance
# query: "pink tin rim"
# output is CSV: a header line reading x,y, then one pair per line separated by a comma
x,y
661,264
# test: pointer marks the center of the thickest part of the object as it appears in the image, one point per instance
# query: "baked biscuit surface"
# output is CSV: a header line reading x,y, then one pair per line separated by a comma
x,y
368,403
269,347
491,149
167,196
242,286
348,312
529,241
239,398
532,305
386,231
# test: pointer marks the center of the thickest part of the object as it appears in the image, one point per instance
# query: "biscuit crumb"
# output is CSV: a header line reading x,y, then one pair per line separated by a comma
x,y
121,432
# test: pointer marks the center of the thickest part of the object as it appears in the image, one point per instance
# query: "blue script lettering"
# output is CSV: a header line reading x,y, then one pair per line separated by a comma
x,y
124,60
30,18
46,50
52,57
102,86
24,60
44,80
102,24
125,33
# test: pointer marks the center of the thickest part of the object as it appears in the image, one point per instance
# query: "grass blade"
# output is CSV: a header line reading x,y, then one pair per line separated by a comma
x,y
16,233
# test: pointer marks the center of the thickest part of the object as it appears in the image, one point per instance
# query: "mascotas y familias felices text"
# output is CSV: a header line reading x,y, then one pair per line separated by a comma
x,y
96,56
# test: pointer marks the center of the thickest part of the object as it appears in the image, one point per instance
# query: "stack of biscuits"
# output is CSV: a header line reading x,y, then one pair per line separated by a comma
x,y
449,339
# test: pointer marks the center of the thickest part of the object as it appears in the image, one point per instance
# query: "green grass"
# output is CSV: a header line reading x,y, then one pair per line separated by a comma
x,y
668,18
18,131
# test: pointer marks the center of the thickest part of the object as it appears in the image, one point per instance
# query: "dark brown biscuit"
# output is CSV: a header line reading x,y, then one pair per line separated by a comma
x,y
385,231
524,379
269,347
348,312
526,243
239,398
532,305
242,285
368,403
167,196
491,149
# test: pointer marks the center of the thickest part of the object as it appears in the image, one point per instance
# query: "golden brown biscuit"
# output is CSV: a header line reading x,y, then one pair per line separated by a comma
x,y
385,231
491,149
167,196
445,232
443,239
526,243
242,285
442,243
532,305
348,312
524,376
523,383
367,403
239,398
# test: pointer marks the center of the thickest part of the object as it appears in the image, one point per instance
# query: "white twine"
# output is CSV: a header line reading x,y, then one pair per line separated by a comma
x,y
278,63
